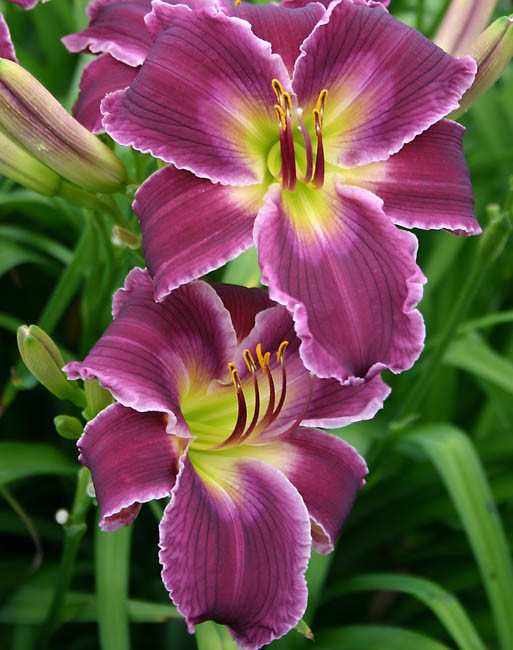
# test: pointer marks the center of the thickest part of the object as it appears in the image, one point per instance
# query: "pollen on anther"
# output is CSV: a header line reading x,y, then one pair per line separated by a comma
x,y
278,89
321,100
250,362
263,359
281,116
281,350
234,374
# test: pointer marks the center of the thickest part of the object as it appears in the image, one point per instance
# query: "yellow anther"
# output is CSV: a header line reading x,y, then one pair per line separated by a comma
x,y
278,89
250,362
317,118
263,359
234,374
281,350
321,100
237,2
281,116
286,102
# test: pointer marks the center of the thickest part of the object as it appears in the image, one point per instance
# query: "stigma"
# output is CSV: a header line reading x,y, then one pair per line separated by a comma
x,y
283,108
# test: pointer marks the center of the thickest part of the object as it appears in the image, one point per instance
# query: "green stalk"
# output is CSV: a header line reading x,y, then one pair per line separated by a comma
x,y
74,530
112,559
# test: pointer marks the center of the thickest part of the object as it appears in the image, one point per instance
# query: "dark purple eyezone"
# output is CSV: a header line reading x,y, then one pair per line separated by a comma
x,y
288,158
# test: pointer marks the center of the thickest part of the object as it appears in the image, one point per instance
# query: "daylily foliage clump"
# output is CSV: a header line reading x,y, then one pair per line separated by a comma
x,y
297,128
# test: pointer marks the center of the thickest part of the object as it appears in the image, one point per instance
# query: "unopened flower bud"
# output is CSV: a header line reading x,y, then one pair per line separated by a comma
x,y
43,359
22,167
125,238
462,24
31,116
68,427
492,51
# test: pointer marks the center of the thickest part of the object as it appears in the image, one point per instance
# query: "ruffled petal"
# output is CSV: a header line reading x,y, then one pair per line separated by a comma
x,y
115,27
285,28
426,184
153,353
234,547
100,77
328,474
203,99
243,304
379,97
6,46
191,226
347,276
132,460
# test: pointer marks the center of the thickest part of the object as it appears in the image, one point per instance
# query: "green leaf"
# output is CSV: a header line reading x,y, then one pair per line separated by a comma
x,y
23,459
12,255
473,354
375,637
45,244
446,606
30,605
459,466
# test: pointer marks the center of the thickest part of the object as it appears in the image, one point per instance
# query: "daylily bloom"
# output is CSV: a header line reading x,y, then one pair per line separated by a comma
x,y
294,122
215,409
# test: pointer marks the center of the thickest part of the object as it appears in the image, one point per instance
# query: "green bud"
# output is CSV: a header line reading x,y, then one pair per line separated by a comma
x,y
97,398
32,117
68,427
43,359
464,20
492,50
125,238
22,167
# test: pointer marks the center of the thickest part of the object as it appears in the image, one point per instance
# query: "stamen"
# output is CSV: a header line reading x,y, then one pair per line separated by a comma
x,y
289,139
281,350
282,116
318,179
250,362
261,358
308,147
321,102
242,413
278,89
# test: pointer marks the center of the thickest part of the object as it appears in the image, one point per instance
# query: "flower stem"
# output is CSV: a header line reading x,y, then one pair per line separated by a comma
x,y
74,530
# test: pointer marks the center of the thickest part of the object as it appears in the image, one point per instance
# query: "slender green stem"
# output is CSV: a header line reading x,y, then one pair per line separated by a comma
x,y
112,557
74,530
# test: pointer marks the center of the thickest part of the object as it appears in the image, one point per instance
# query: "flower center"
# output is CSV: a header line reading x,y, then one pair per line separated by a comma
x,y
260,398
283,109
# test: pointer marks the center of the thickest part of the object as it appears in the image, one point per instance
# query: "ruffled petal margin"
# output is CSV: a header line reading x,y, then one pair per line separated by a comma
x,y
379,97
347,276
191,226
327,472
132,460
235,545
102,76
203,99
151,353
6,46
426,184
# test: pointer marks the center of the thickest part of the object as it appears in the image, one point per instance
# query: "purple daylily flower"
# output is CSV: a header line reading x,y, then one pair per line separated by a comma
x,y
216,410
294,122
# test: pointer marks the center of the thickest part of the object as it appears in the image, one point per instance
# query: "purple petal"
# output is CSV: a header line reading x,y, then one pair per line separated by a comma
x,y
26,4
347,276
100,77
328,474
191,226
243,304
132,460
203,99
426,184
152,353
316,402
285,28
6,46
116,27
379,97
235,549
